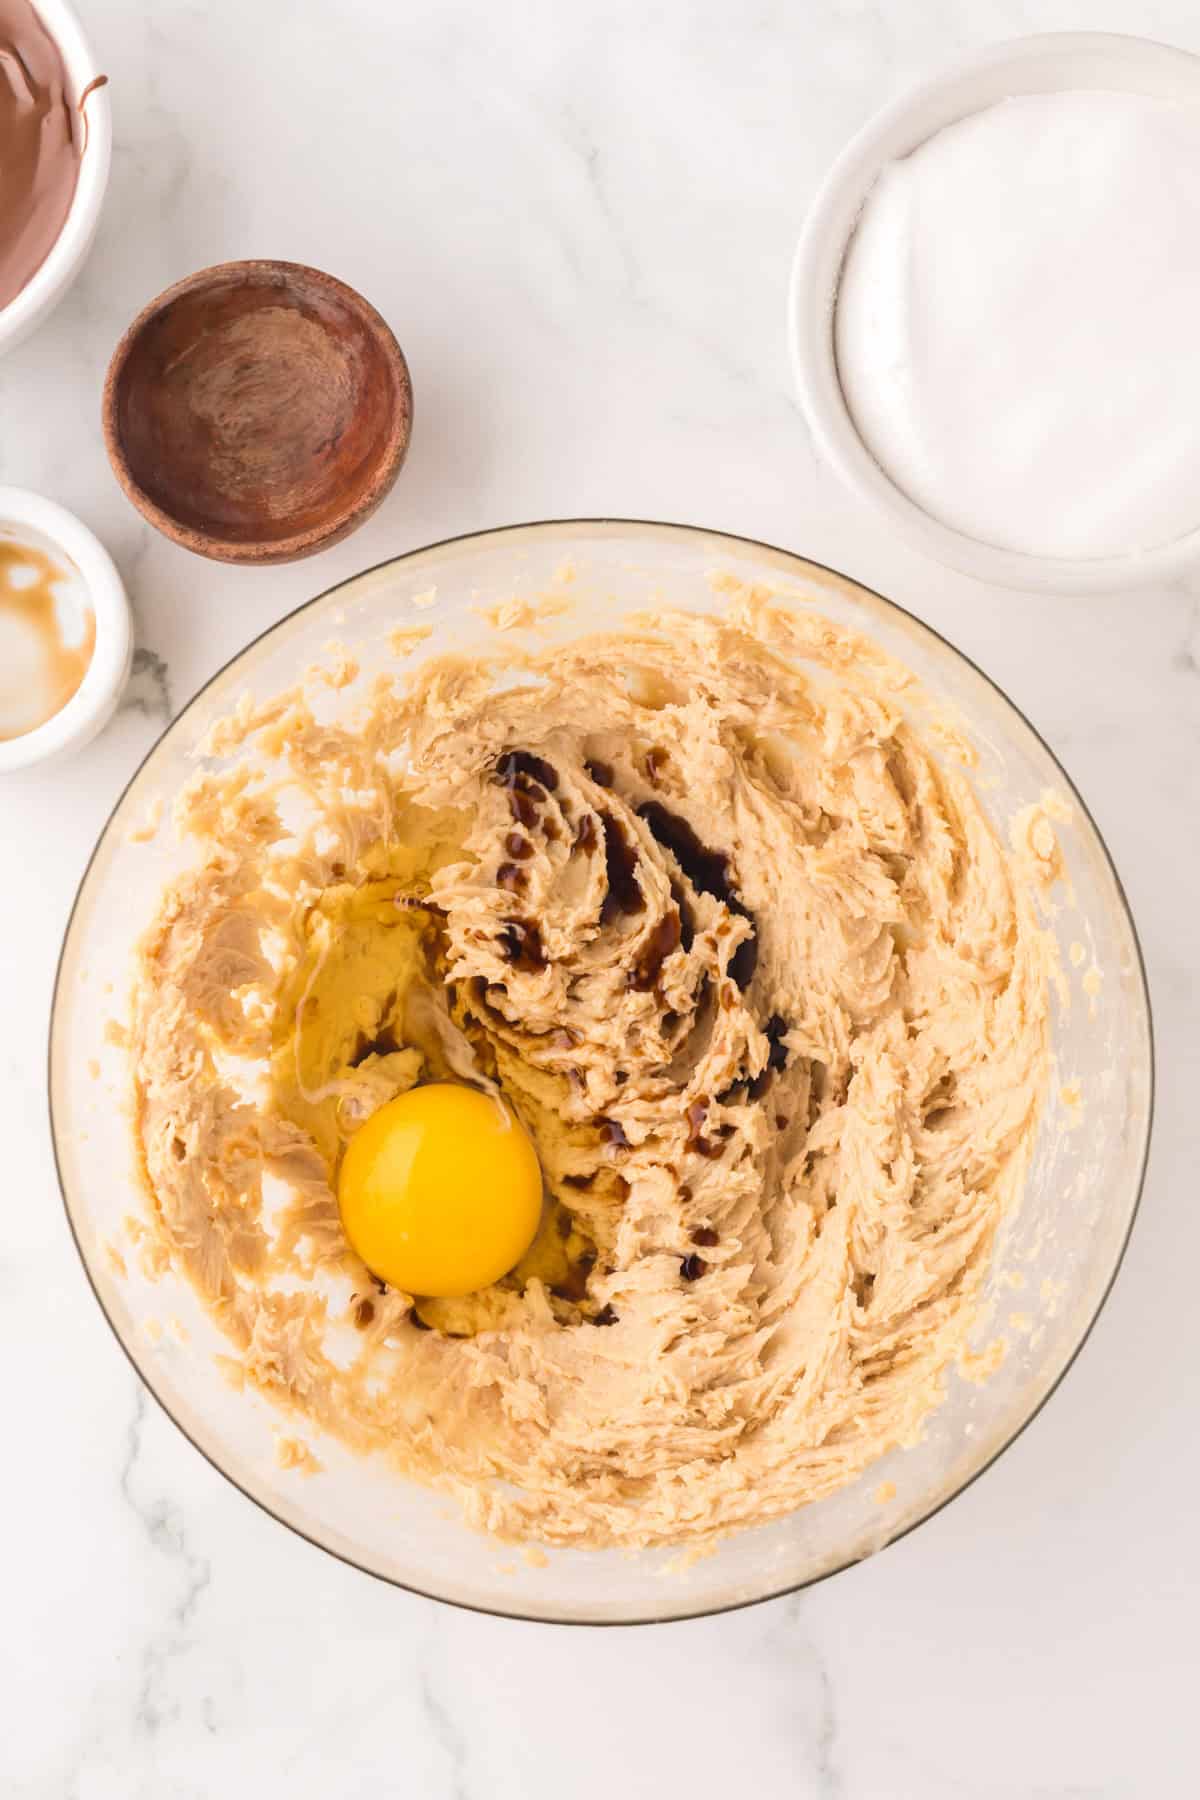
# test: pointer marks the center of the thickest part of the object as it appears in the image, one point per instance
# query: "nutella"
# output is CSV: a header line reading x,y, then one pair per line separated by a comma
x,y
40,145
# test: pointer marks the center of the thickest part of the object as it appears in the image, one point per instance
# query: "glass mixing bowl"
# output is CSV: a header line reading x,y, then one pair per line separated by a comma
x,y
1065,1241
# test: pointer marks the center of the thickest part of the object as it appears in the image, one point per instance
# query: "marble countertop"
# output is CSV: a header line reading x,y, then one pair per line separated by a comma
x,y
579,220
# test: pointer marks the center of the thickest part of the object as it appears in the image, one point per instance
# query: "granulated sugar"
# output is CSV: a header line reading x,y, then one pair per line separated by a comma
x,y
1018,323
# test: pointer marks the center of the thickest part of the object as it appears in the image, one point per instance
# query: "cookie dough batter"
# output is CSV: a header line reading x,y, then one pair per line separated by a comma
x,y
728,926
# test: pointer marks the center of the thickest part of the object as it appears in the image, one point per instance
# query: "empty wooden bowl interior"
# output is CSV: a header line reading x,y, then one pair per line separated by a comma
x,y
258,405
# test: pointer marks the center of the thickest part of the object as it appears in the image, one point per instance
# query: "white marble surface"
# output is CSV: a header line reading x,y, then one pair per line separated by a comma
x,y
578,217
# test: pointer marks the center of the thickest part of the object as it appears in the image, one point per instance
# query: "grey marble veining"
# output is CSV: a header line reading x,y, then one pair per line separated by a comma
x,y
579,219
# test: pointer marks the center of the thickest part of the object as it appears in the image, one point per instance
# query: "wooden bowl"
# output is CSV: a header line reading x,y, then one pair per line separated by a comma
x,y
257,412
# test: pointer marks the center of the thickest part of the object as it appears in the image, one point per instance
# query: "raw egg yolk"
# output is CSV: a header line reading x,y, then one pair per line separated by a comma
x,y
440,1191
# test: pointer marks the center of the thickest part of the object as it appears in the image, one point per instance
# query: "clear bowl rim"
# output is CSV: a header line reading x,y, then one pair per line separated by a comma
x,y
650,528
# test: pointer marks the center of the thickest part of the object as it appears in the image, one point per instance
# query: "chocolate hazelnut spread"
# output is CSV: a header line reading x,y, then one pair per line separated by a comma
x,y
40,146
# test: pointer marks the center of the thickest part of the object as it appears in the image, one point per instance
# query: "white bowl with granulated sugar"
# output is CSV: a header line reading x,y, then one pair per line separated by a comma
x,y
995,313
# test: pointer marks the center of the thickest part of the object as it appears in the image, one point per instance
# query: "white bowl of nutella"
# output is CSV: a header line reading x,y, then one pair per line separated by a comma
x,y
55,148
66,634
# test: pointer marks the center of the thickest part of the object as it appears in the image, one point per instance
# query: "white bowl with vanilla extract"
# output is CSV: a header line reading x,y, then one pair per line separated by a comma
x,y
66,634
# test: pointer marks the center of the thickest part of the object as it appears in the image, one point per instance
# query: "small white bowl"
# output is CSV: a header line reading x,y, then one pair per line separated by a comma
x,y
46,287
29,518
1047,63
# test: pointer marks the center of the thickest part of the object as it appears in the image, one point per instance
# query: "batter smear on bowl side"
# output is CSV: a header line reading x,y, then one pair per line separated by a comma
x,y
713,906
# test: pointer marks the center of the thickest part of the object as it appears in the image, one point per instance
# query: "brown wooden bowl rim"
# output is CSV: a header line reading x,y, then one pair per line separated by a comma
x,y
299,543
